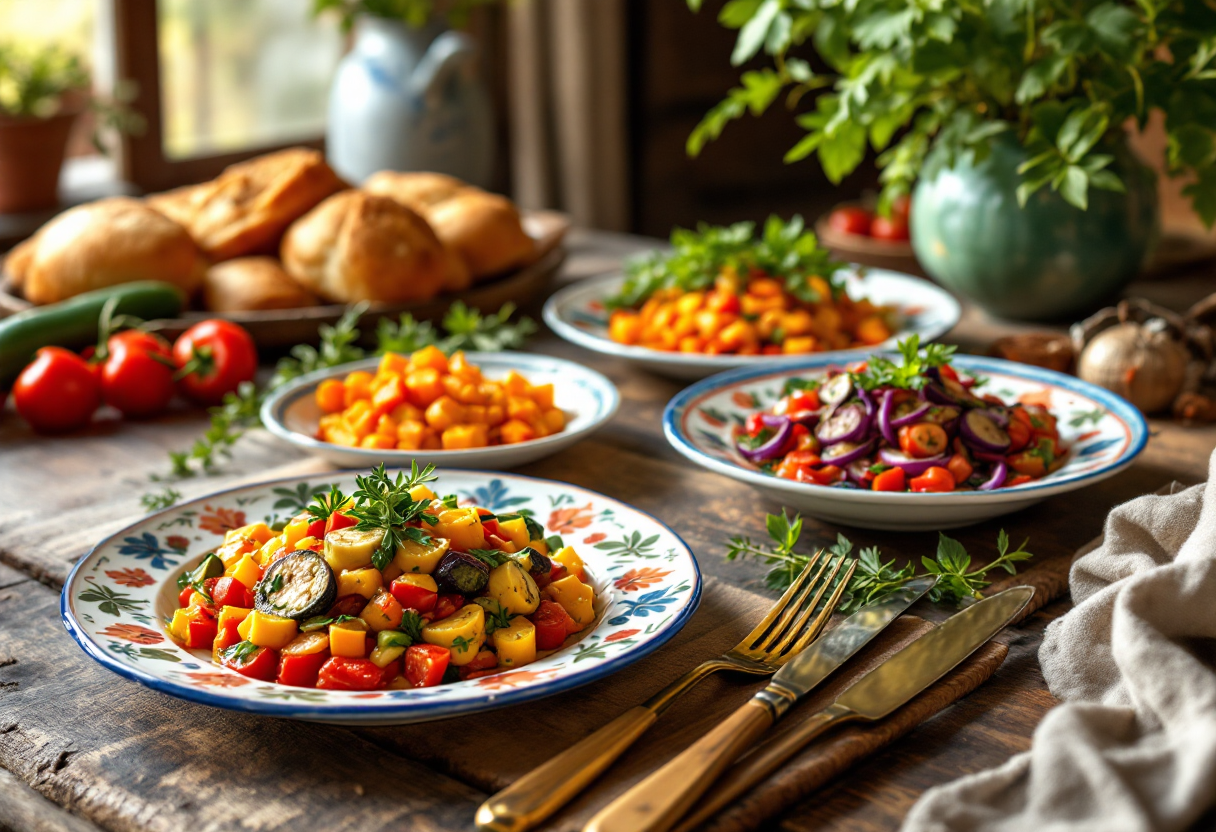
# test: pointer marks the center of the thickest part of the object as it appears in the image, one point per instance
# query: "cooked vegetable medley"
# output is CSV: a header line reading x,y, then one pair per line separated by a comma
x,y
427,401
723,291
391,587
919,426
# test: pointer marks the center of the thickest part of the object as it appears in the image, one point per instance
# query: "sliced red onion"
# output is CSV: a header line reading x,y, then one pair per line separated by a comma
x,y
999,472
842,453
935,393
912,466
914,415
771,448
980,431
884,417
999,415
866,400
773,420
850,423
858,469
806,417
836,389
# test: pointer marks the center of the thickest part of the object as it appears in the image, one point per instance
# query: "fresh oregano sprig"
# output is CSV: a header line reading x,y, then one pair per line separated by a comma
x,y
385,504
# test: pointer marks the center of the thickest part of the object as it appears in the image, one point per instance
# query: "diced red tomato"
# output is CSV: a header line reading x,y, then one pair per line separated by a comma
x,y
425,664
484,661
552,624
183,597
227,635
1041,421
1020,479
262,663
447,603
414,597
337,521
348,605
557,571
754,424
200,633
339,673
949,372
960,468
827,475
893,479
1019,433
935,479
794,461
301,670
316,529
390,672
802,400
798,435
1028,463
923,440
229,592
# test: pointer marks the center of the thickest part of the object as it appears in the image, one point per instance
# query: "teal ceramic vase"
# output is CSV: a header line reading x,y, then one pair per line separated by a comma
x,y
1044,262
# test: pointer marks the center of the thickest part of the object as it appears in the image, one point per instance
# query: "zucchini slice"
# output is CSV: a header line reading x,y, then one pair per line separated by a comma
x,y
300,585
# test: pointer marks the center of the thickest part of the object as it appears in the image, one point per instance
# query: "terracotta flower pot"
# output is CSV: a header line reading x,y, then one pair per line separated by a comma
x,y
31,156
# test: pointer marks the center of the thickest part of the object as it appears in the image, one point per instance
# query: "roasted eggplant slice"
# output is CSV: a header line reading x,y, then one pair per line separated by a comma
x,y
539,566
461,572
300,585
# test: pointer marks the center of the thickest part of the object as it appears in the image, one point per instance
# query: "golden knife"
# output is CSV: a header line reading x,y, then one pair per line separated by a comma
x,y
658,802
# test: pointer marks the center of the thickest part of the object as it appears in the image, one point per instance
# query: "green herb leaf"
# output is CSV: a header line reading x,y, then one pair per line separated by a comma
x,y
240,653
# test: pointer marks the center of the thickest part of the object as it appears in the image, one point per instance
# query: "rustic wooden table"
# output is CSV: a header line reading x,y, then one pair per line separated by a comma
x,y
82,749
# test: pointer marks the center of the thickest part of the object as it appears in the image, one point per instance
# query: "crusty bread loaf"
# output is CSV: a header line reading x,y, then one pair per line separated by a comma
x,y
246,209
484,229
416,189
356,246
104,243
252,283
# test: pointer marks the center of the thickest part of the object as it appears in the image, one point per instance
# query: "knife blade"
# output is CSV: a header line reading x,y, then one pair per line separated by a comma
x,y
638,810
875,695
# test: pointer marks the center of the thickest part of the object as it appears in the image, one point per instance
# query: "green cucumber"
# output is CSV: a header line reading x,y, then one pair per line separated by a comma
x,y
73,323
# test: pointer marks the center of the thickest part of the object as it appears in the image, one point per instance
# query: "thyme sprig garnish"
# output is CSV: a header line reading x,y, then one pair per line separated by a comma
x,y
873,578
324,505
385,504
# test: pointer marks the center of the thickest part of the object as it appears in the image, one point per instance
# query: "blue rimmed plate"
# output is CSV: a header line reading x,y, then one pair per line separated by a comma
x,y
1104,432
646,581
588,399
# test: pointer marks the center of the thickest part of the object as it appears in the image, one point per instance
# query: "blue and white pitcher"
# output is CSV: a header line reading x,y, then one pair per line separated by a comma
x,y
408,99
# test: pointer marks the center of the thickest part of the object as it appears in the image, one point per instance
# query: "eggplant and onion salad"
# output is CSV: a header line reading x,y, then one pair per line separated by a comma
x,y
391,587
916,426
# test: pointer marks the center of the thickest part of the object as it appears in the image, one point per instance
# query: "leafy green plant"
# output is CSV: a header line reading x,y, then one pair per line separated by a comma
x,y
414,13
925,82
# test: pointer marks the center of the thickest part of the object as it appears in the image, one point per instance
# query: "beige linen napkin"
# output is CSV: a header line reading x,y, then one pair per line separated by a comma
x,y
1133,747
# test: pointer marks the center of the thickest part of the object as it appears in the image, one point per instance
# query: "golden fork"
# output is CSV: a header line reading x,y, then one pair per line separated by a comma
x,y
782,634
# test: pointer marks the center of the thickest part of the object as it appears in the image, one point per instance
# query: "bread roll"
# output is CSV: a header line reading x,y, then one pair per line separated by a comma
x,y
252,283
484,229
417,190
17,262
356,246
105,243
246,209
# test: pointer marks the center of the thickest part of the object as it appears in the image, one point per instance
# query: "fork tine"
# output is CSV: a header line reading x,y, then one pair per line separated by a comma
x,y
779,607
790,614
802,635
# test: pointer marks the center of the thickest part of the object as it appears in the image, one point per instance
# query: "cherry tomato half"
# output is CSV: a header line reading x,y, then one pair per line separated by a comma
x,y
340,673
890,228
58,392
552,624
922,440
935,479
136,377
850,220
893,479
425,664
215,357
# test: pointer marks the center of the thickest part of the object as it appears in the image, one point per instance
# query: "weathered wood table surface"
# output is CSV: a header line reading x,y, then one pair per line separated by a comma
x,y
82,749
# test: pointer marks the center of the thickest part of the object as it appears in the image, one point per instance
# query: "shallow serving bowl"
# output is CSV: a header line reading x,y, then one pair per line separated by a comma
x,y
1104,432
587,397
646,581
578,314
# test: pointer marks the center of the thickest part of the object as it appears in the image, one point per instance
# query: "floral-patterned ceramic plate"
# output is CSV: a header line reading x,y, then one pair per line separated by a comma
x,y
577,313
588,398
646,581
1104,431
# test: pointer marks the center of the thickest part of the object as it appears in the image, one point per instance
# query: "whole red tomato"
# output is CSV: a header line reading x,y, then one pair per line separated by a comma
x,y
891,228
58,392
850,220
214,357
136,377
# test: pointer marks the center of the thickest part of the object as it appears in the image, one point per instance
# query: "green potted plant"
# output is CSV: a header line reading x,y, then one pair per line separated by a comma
x,y
42,92
1005,120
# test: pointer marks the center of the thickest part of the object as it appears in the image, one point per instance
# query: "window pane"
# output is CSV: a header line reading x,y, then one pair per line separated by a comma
x,y
243,73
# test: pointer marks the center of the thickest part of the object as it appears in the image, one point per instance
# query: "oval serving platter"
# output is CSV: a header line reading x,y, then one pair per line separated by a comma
x,y
578,314
646,580
588,399
1105,433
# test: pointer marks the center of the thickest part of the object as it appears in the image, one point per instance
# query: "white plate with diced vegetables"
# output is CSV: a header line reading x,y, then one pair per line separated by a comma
x,y
296,599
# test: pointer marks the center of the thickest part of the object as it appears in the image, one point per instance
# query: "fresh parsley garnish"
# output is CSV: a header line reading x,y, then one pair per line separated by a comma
x,y
324,505
451,501
535,530
555,543
798,385
490,557
880,371
319,621
240,652
276,583
497,619
461,644
385,504
411,625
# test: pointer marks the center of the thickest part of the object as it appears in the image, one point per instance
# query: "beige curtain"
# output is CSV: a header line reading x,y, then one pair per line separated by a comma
x,y
567,77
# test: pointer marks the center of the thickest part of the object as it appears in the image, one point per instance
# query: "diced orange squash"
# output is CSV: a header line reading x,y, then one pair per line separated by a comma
x,y
378,441
516,431
460,437
542,394
393,363
331,396
390,394
515,384
424,386
522,408
348,639
409,435
554,419
444,412
358,386
429,357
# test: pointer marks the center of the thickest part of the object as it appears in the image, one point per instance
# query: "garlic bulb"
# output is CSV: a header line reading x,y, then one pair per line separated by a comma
x,y
1143,363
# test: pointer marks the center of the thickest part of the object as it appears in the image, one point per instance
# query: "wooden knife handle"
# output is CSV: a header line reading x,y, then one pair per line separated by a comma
x,y
545,789
656,803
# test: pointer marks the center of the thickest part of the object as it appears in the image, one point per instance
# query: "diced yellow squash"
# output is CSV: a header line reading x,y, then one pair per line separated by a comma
x,y
513,589
422,492
179,627
350,548
242,629
258,532
246,570
574,564
463,633
237,614
196,600
266,554
363,582
270,630
540,546
462,526
294,532
391,572
516,531
575,598
233,550
348,639
516,644
415,557
419,579
382,656
306,543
